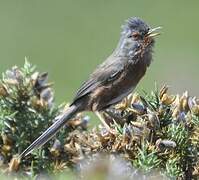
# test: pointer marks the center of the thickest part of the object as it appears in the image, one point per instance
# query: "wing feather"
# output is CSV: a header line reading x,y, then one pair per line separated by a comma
x,y
104,74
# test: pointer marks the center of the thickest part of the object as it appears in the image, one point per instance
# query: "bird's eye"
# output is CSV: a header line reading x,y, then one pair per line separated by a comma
x,y
135,35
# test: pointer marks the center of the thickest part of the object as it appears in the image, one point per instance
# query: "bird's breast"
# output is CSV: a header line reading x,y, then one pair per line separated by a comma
x,y
112,93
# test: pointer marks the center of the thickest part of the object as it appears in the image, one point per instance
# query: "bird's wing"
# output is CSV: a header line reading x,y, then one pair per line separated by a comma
x,y
86,87
105,73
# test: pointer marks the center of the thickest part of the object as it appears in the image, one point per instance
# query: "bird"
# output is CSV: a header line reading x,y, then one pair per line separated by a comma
x,y
111,81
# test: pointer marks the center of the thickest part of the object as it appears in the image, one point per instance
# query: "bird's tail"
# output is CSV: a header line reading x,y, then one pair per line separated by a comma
x,y
52,130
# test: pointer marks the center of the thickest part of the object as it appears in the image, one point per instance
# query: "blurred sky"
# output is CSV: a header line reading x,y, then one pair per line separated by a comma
x,y
68,38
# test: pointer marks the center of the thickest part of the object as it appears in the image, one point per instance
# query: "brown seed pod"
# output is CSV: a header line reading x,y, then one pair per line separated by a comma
x,y
70,148
153,120
177,100
6,139
196,170
36,103
3,90
195,110
74,122
176,112
59,166
135,98
34,77
195,136
123,105
184,101
167,100
6,148
138,124
14,164
163,91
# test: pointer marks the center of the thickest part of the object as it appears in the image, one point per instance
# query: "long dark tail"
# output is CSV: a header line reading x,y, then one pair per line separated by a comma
x,y
52,130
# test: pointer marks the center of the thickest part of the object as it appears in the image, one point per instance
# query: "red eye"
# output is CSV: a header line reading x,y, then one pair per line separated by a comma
x,y
135,34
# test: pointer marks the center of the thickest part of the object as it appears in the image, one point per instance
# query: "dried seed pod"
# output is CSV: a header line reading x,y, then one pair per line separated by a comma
x,y
167,100
3,90
34,78
176,112
7,140
137,124
165,144
123,105
117,146
184,101
196,170
79,121
177,100
14,164
36,103
6,148
135,98
11,82
58,166
70,148
55,149
74,123
197,101
195,110
195,136
189,119
153,120
163,91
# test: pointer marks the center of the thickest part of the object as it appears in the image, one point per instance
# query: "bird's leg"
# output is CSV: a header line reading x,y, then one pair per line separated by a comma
x,y
100,116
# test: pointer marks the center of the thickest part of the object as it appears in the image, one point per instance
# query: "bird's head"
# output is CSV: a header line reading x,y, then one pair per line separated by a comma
x,y
136,37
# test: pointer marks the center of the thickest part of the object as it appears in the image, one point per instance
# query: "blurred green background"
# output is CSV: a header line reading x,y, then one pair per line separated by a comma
x,y
68,38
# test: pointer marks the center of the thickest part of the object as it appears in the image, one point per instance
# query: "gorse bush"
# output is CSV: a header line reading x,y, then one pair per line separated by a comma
x,y
26,110
155,132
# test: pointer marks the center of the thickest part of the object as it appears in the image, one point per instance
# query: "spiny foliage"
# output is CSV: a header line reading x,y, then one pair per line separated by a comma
x,y
26,110
153,132
158,131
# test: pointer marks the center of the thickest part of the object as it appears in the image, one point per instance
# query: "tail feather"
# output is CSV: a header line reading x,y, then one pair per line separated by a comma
x,y
52,130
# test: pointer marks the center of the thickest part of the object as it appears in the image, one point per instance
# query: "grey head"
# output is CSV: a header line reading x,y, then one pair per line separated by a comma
x,y
136,37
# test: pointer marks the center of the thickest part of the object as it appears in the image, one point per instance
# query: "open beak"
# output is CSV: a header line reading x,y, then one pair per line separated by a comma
x,y
153,32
